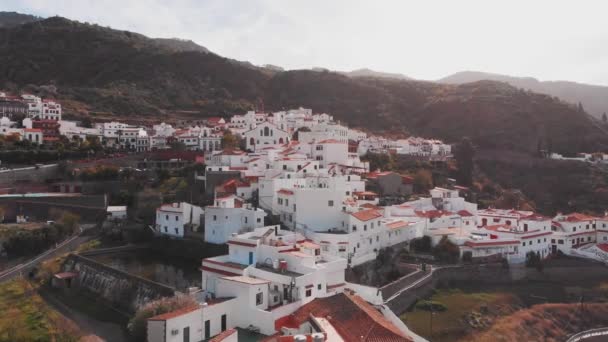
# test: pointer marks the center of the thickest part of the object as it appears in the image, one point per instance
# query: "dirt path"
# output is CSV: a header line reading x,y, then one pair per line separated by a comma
x,y
93,330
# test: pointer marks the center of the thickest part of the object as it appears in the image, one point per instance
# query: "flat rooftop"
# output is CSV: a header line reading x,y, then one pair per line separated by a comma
x,y
272,270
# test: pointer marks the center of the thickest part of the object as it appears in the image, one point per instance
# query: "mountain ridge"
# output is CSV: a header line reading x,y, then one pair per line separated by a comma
x,y
126,73
594,98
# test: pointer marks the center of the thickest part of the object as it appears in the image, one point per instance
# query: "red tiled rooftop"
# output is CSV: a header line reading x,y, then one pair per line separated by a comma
x,y
352,317
366,215
285,192
174,314
464,213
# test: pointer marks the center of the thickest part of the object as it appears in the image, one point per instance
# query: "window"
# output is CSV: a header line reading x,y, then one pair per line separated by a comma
x,y
354,228
573,229
166,230
330,203
246,219
176,218
280,201
317,251
308,292
553,241
286,202
259,298
259,220
167,217
294,207
364,227
214,218
319,287
560,242
496,220
176,231
524,243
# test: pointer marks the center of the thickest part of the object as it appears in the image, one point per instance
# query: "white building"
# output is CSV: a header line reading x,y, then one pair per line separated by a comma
x,y
173,219
265,135
33,135
573,231
230,215
117,212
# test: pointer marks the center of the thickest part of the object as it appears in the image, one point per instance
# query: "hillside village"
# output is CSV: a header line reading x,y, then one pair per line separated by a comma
x,y
298,207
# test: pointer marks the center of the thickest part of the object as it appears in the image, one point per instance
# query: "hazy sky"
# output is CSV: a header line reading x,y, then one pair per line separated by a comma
x,y
547,39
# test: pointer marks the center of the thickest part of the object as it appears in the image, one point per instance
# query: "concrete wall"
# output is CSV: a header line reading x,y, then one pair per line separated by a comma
x,y
90,208
31,174
561,270
124,290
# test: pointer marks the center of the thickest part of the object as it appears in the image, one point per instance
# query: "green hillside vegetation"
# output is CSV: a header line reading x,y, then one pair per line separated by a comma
x,y
98,69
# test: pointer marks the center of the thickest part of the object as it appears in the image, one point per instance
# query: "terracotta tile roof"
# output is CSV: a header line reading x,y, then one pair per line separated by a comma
x,y
285,192
351,316
365,193
397,224
174,314
578,217
65,275
366,215
330,141
370,206
464,213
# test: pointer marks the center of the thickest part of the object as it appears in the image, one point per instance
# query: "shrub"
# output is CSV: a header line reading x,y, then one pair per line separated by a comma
x,y
446,251
138,324
422,244
429,305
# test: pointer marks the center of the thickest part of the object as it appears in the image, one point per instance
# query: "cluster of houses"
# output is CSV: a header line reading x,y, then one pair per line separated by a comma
x,y
287,280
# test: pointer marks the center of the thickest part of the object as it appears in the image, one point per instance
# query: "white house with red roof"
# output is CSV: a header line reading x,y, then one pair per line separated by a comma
x,y
272,273
33,135
573,231
172,219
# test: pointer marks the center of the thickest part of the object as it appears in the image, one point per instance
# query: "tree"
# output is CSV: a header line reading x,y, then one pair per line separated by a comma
x,y
423,181
229,140
464,153
296,134
379,161
69,221
446,251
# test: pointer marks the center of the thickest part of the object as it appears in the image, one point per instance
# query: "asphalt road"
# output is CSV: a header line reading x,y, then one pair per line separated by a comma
x,y
66,246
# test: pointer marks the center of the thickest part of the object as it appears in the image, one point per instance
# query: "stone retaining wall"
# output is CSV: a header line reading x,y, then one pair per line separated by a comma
x,y
121,289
